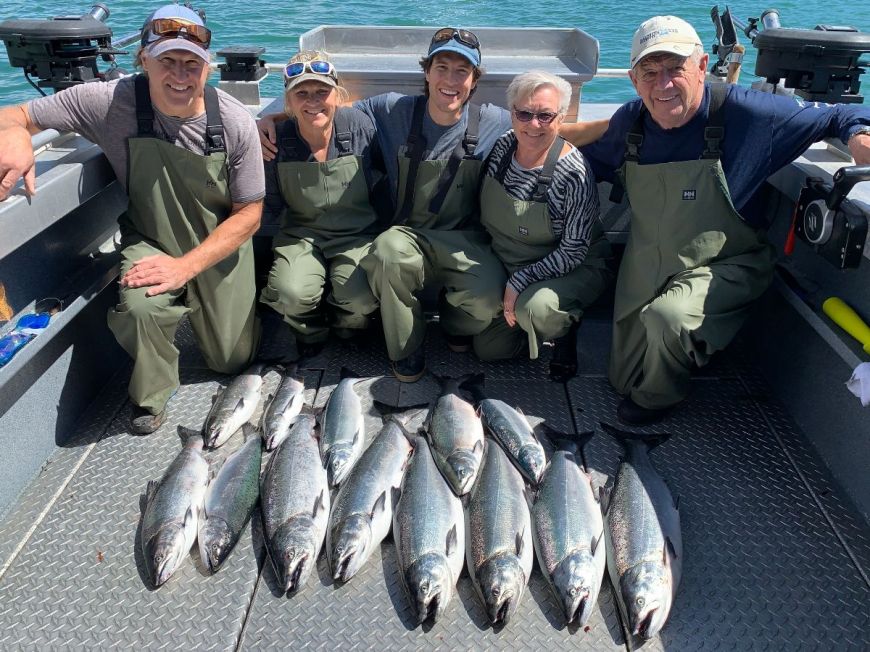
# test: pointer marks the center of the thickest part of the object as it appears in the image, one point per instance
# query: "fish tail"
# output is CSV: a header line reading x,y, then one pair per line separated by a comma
x,y
628,438
347,372
190,438
571,442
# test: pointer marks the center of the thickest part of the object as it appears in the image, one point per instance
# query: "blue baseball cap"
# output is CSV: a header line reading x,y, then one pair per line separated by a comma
x,y
155,44
459,41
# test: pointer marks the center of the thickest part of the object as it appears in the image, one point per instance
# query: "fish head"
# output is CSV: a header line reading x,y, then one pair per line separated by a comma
x,y
430,585
462,466
164,553
293,551
214,432
339,461
216,540
577,584
646,594
532,458
502,582
351,544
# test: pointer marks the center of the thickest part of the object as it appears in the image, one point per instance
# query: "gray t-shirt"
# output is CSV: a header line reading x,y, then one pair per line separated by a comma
x,y
105,113
362,134
392,113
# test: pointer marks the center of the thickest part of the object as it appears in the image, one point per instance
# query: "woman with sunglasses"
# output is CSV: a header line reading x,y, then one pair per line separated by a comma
x,y
188,157
539,202
319,186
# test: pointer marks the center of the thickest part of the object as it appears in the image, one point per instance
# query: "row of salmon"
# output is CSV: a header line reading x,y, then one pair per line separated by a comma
x,y
417,488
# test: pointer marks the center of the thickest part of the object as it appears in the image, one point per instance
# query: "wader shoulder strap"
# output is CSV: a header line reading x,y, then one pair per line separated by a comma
x,y
633,141
545,176
144,110
214,126
504,163
341,134
464,150
415,148
715,131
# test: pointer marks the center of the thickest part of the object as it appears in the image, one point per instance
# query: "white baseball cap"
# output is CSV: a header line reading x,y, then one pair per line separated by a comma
x,y
156,45
663,34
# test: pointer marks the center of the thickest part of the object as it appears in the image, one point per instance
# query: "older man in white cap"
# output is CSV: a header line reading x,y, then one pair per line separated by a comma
x,y
692,157
189,158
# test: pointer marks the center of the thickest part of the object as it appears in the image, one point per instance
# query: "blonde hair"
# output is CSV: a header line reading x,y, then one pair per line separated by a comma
x,y
304,56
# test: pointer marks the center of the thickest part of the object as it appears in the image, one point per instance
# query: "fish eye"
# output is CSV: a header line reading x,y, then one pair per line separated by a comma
x,y
640,602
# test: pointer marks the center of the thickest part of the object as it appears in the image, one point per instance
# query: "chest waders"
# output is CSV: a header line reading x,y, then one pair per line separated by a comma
x,y
522,234
433,240
691,269
326,229
177,198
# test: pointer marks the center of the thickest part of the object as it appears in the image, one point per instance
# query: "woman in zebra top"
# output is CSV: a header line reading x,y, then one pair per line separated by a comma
x,y
539,202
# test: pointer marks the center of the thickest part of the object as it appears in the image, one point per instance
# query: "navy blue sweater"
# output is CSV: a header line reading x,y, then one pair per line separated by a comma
x,y
763,132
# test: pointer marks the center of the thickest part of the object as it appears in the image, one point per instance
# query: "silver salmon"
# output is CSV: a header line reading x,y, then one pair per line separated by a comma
x,y
429,531
511,428
342,433
295,505
363,509
173,504
456,435
233,406
283,408
645,543
229,501
569,533
499,539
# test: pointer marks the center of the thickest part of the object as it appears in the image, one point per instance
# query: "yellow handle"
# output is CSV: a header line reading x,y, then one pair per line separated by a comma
x,y
848,320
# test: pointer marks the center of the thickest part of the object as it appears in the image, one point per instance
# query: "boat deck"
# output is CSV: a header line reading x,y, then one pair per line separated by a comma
x,y
774,556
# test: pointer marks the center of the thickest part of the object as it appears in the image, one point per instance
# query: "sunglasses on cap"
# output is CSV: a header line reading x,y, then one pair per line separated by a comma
x,y
544,117
178,28
462,35
318,67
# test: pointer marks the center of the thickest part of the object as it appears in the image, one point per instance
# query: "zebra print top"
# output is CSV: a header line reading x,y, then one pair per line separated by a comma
x,y
572,202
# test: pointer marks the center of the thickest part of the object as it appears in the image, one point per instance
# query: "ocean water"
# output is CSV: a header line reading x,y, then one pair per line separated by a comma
x,y
277,26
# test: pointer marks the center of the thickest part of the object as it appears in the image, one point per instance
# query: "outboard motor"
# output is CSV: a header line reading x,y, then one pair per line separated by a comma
x,y
821,64
62,51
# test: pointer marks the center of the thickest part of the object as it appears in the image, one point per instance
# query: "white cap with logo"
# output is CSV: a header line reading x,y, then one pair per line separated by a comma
x,y
663,34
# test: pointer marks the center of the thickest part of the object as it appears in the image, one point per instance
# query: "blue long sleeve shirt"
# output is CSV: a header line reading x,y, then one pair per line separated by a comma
x,y
763,132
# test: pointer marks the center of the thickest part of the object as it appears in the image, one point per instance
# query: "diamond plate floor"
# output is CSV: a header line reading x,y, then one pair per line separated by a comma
x,y
773,556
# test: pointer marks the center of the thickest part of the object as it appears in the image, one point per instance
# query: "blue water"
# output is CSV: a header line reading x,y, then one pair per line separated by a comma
x,y
278,27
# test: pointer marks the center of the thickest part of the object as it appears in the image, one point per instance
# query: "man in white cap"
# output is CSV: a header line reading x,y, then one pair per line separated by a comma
x,y
189,158
692,158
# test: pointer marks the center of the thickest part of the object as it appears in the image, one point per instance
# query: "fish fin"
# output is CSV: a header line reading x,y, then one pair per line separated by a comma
x,y
386,410
595,541
469,381
451,541
520,542
189,436
677,503
318,504
567,441
604,498
627,438
151,490
478,445
395,494
348,373
189,515
217,395
520,410
249,430
668,552
380,504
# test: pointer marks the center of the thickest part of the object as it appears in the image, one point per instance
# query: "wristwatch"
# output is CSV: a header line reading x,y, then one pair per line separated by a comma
x,y
863,130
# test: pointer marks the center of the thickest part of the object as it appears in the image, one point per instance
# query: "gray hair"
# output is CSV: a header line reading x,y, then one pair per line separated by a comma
x,y
525,84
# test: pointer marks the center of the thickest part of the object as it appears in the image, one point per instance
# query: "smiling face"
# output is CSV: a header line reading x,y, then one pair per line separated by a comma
x,y
534,136
313,104
450,80
671,87
176,79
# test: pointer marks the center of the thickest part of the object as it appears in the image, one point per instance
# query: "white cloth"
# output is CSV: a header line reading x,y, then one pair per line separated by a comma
x,y
859,383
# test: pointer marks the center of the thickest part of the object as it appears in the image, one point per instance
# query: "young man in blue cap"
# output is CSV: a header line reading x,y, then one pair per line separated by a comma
x,y
189,158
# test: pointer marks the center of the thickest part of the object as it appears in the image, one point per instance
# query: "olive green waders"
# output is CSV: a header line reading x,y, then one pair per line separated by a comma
x,y
431,243
326,229
522,234
691,269
177,198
